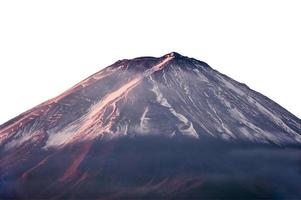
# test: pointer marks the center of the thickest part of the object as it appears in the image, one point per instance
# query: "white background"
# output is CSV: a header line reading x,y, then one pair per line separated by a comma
x,y
48,46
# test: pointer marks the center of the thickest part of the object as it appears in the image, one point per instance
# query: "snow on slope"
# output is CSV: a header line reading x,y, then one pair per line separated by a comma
x,y
170,96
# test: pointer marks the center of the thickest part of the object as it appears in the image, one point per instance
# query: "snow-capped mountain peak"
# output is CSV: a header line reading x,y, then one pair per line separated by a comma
x,y
171,95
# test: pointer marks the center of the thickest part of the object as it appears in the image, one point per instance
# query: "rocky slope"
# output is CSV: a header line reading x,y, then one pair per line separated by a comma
x,y
145,100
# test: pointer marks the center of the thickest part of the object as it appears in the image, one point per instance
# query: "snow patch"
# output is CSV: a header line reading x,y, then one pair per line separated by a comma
x,y
229,85
143,127
201,76
271,116
185,127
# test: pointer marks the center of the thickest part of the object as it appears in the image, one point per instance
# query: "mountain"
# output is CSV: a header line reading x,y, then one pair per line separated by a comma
x,y
168,127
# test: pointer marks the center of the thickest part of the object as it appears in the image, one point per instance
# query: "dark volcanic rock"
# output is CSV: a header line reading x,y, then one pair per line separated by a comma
x,y
169,127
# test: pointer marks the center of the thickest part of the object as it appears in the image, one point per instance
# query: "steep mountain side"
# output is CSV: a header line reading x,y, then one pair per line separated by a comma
x,y
153,127
170,95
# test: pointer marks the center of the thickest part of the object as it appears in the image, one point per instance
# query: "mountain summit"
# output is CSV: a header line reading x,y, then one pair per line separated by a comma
x,y
171,98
